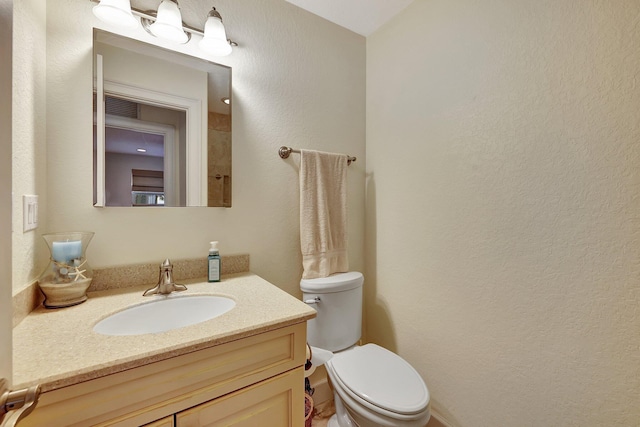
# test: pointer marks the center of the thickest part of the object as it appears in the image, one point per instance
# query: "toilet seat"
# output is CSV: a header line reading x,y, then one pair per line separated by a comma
x,y
380,380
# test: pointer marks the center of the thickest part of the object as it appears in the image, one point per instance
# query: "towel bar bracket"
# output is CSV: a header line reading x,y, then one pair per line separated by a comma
x,y
284,152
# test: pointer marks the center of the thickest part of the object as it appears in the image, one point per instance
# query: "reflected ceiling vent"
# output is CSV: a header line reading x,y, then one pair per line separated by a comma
x,y
121,107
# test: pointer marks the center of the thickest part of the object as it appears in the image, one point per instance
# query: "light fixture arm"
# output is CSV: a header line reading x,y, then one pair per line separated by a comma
x,y
213,13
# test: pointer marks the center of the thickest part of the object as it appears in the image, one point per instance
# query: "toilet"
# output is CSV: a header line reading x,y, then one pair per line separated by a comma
x,y
372,386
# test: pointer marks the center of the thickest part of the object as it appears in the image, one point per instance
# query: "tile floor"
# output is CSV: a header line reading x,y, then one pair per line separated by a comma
x,y
323,412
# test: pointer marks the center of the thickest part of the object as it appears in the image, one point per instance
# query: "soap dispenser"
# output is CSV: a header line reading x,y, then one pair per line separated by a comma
x,y
214,265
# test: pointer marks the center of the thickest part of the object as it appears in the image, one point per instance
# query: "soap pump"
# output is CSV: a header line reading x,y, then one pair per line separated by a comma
x,y
213,263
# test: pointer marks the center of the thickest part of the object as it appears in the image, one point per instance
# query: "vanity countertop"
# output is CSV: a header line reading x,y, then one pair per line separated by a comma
x,y
58,348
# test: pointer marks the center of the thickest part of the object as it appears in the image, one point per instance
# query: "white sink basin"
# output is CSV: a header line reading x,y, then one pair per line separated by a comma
x,y
165,314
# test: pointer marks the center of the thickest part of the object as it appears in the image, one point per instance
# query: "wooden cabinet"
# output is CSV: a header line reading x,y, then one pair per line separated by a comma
x,y
274,402
165,422
260,377
271,403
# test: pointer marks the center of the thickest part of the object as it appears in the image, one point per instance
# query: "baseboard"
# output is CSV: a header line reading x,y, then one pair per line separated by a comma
x,y
437,420
320,383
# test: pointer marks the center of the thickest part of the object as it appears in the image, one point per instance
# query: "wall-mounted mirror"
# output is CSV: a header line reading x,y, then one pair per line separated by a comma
x,y
162,126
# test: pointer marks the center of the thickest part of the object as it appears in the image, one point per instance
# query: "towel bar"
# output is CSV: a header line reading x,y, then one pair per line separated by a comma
x,y
284,153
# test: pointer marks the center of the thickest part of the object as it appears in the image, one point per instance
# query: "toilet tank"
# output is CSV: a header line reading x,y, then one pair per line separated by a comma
x,y
338,324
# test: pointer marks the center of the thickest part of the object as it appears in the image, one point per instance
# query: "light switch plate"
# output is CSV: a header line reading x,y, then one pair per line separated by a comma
x,y
29,212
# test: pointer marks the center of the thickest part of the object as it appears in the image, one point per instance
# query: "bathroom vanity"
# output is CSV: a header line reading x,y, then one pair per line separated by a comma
x,y
243,368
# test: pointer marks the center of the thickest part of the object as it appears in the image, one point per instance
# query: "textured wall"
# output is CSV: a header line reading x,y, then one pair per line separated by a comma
x,y
29,136
297,80
6,89
503,233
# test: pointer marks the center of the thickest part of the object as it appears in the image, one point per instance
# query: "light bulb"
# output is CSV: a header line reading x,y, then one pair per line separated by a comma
x,y
215,41
116,13
168,25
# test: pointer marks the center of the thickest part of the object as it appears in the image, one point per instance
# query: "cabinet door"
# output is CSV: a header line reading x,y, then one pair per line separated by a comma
x,y
276,402
164,422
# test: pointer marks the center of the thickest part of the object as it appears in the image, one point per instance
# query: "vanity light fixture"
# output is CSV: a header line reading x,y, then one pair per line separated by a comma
x,y
166,24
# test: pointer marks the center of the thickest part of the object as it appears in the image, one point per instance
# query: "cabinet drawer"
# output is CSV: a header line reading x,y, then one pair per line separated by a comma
x,y
151,392
276,402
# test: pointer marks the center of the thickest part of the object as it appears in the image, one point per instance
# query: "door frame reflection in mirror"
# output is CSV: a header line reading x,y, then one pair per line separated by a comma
x,y
196,163
198,179
172,192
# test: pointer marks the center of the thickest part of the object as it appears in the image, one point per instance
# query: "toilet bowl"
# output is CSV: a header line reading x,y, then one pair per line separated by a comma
x,y
373,387
378,388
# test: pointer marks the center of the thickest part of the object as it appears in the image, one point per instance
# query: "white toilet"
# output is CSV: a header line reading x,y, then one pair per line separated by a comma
x,y
373,387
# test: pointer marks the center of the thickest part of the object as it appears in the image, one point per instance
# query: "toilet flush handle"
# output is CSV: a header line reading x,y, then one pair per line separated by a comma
x,y
315,300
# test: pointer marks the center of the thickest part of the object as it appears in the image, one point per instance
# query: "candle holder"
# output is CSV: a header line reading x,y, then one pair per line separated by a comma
x,y
67,277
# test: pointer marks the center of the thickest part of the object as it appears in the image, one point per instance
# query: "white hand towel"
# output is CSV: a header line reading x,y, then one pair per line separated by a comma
x,y
323,213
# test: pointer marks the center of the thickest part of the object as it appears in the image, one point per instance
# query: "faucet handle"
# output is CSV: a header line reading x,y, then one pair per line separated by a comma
x,y
165,285
166,272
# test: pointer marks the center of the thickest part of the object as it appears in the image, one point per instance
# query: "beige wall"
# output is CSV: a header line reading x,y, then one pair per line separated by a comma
x,y
503,240
297,80
29,136
6,89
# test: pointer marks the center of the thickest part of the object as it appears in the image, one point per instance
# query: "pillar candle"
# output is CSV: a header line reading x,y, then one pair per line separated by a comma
x,y
66,251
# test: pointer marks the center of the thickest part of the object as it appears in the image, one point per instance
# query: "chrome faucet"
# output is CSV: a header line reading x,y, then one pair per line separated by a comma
x,y
165,285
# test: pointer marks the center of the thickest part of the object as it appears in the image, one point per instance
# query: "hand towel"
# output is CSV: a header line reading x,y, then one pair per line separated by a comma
x,y
323,213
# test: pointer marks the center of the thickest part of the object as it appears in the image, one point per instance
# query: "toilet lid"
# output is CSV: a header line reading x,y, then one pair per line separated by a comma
x,y
334,283
381,378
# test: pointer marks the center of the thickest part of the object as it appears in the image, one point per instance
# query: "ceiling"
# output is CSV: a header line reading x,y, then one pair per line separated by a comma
x,y
126,141
360,16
